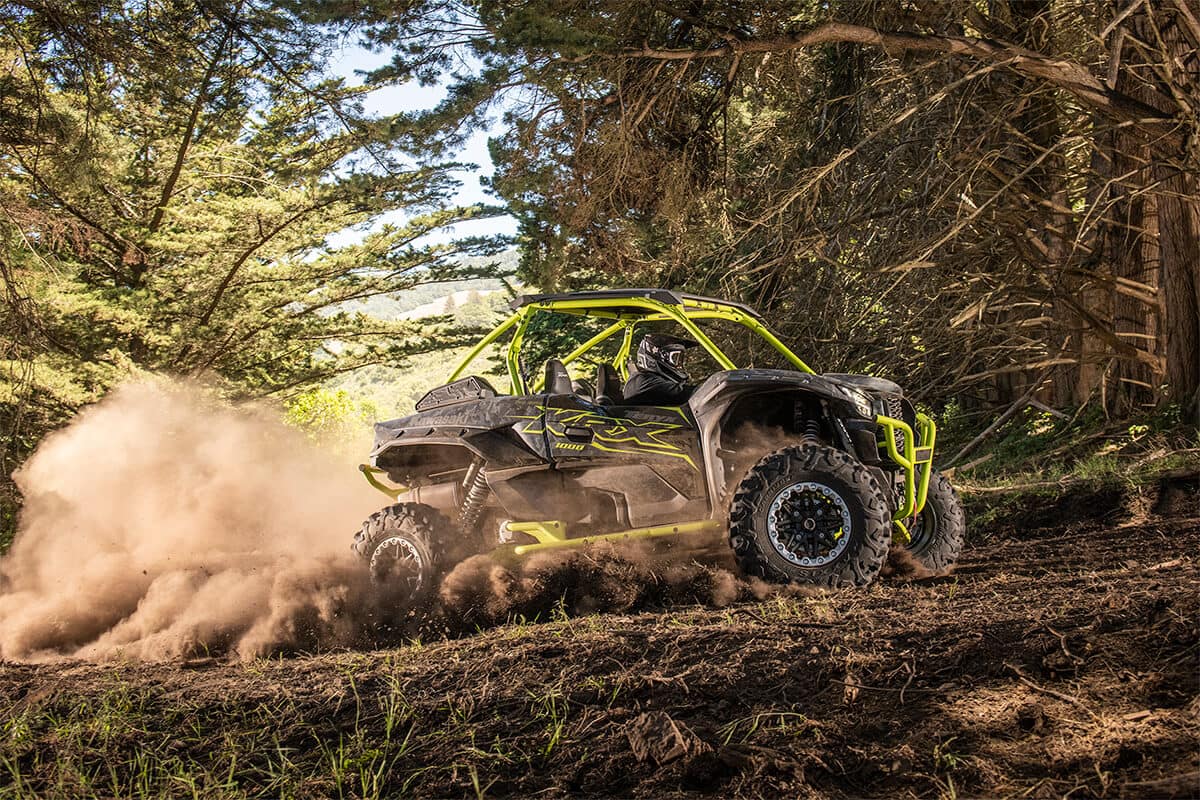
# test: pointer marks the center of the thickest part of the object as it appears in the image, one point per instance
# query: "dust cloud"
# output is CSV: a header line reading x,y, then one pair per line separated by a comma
x,y
604,578
163,523
902,565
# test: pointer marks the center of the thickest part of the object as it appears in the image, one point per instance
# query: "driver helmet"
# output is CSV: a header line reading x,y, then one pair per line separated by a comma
x,y
663,354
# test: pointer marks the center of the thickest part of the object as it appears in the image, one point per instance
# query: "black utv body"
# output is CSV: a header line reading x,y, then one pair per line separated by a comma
x,y
811,476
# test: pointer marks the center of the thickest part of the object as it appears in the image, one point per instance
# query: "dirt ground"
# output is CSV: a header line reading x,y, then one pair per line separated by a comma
x,y
1062,658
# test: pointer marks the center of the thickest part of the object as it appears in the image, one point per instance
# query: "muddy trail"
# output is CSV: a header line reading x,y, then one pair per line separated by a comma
x,y
1060,659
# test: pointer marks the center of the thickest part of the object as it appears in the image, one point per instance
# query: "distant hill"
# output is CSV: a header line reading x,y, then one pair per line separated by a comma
x,y
430,299
473,305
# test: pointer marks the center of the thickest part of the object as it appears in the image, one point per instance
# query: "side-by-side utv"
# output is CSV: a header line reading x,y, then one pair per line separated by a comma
x,y
812,477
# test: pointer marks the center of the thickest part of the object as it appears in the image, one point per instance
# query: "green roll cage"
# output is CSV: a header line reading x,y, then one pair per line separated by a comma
x,y
627,312
631,312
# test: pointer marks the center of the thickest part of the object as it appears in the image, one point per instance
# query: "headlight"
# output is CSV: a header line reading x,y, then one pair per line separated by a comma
x,y
861,402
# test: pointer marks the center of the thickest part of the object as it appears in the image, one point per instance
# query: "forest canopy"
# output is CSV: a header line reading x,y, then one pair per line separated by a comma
x,y
986,201
172,175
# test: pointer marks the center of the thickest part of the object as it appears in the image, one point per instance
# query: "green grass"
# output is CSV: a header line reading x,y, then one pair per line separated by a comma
x,y
127,742
1039,458
363,732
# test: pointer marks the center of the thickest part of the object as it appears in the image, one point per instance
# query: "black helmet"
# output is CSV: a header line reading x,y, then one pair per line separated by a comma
x,y
663,354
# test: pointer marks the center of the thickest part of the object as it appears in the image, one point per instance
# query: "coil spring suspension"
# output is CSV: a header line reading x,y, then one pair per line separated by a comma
x,y
475,494
896,409
810,432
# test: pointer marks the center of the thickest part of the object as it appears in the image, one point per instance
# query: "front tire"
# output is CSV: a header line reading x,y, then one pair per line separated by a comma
x,y
403,546
936,534
810,514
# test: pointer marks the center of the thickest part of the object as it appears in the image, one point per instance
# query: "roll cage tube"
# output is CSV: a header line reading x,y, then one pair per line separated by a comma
x,y
685,314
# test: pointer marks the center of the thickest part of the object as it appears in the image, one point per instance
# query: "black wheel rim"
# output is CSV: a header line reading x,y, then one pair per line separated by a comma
x,y
397,562
808,524
921,529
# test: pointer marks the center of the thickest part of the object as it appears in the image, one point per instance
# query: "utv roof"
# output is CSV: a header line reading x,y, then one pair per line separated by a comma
x,y
667,296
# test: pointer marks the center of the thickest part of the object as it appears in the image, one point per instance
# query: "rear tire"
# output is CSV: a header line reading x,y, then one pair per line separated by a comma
x,y
403,546
937,533
810,514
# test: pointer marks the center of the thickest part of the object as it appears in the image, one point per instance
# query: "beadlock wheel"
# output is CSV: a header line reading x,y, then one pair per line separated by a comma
x,y
396,559
404,548
810,514
807,523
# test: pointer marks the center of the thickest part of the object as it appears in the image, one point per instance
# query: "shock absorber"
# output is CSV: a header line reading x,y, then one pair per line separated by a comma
x,y
475,494
805,423
810,431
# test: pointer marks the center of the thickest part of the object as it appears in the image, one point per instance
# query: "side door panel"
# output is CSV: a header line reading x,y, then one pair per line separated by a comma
x,y
648,454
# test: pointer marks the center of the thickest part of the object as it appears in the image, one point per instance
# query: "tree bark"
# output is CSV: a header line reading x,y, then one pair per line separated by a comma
x,y
1131,242
1179,243
1176,74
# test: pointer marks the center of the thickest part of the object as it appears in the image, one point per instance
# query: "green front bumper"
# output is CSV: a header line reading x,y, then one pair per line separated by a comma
x,y
916,459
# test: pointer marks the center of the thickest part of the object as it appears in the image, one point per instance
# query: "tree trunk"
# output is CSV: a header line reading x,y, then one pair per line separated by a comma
x,y
1179,242
1131,250
1152,236
1179,227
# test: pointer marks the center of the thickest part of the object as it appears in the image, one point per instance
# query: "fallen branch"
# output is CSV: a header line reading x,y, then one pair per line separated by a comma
x,y
1022,401
1066,698
1019,487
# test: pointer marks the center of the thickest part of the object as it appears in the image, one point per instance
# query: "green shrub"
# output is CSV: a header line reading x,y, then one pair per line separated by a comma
x,y
331,416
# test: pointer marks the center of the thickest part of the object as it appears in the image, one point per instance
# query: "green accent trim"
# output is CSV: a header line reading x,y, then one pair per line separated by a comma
x,y
370,472
927,431
678,410
771,339
513,356
496,333
701,337
612,434
551,535
545,532
901,534
621,360
916,487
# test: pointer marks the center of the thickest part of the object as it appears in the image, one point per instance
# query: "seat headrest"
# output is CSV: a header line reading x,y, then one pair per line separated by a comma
x,y
608,386
558,380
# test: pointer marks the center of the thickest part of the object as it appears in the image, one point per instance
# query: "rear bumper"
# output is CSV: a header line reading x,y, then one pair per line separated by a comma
x,y
915,457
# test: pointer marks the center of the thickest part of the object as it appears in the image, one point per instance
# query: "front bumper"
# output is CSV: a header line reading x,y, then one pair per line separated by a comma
x,y
916,459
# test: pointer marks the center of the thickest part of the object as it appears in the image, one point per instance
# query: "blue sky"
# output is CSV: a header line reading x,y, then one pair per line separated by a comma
x,y
412,96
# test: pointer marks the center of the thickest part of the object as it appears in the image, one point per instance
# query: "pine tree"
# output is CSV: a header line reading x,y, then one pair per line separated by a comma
x,y
174,178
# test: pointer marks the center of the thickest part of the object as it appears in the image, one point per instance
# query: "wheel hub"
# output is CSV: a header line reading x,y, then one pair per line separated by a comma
x,y
921,528
396,559
807,524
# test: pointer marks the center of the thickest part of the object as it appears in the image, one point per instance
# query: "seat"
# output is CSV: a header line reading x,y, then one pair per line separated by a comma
x,y
558,380
608,386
